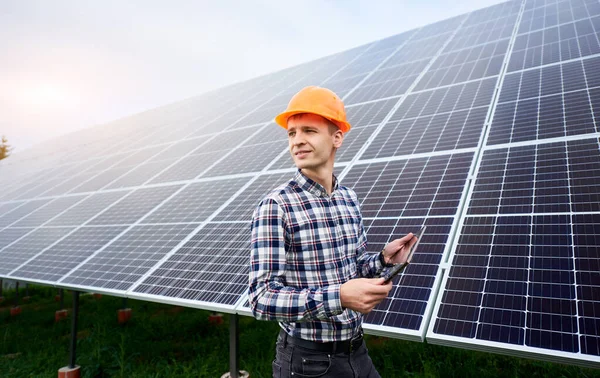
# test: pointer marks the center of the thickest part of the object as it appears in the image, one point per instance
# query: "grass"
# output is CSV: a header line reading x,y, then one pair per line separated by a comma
x,y
170,341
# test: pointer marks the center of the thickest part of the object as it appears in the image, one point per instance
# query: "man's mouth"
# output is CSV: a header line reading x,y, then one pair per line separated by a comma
x,y
301,154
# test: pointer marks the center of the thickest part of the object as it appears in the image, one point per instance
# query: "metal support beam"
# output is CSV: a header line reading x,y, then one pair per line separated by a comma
x,y
61,294
124,303
74,329
233,346
17,294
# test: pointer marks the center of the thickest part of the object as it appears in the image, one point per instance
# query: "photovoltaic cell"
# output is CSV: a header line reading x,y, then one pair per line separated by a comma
x,y
439,27
418,50
130,256
211,267
196,202
21,211
9,235
248,158
242,206
176,150
457,97
7,207
135,206
525,280
101,180
463,65
43,214
485,32
65,185
38,188
405,307
189,167
551,102
413,187
353,143
86,209
369,114
65,255
27,247
342,86
544,178
556,13
384,83
446,131
364,64
555,44
141,174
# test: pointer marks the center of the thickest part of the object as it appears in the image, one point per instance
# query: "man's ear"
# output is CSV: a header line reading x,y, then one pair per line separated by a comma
x,y
338,138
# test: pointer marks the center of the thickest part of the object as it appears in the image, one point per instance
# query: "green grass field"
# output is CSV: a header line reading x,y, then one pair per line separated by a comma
x,y
170,341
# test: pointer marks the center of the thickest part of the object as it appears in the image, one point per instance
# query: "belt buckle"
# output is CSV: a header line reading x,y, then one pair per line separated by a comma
x,y
354,339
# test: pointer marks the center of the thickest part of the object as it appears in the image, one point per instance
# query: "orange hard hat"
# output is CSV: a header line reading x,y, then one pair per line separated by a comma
x,y
319,101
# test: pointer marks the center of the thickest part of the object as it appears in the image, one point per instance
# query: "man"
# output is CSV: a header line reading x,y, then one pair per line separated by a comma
x,y
309,268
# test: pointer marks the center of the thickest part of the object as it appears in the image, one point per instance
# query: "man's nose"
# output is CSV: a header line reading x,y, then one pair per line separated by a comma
x,y
298,139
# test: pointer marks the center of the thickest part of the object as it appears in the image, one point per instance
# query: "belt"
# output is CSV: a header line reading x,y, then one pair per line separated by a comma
x,y
333,347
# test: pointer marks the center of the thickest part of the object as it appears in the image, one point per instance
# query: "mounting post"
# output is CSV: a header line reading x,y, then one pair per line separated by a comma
x,y
17,294
74,329
233,346
72,370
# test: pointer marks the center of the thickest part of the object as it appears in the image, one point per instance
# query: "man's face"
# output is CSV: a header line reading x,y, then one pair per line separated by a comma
x,y
312,141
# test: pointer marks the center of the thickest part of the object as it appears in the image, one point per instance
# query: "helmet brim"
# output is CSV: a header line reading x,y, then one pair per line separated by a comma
x,y
282,119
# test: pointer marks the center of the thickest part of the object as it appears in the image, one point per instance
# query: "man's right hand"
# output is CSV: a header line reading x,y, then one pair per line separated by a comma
x,y
363,294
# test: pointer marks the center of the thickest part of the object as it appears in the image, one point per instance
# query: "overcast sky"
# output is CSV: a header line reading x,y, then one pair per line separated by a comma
x,y
72,64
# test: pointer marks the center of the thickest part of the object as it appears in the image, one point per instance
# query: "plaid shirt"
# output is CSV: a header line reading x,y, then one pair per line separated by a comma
x,y
305,244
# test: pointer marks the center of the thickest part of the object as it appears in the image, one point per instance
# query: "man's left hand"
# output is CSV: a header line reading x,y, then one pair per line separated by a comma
x,y
396,251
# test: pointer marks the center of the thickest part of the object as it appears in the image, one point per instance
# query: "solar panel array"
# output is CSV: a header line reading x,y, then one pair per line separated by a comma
x,y
481,127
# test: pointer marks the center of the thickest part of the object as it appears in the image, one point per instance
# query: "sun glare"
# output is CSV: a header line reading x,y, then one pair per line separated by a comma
x,y
43,96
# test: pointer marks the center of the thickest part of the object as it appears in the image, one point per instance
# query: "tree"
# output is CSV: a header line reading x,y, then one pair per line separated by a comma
x,y
4,148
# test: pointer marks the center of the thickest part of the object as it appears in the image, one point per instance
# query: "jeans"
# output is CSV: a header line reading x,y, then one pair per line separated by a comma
x,y
295,361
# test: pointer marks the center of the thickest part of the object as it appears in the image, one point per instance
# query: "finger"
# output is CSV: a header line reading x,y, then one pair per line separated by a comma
x,y
382,289
405,238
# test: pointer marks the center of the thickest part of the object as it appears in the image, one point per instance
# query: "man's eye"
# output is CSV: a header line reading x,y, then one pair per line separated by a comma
x,y
291,134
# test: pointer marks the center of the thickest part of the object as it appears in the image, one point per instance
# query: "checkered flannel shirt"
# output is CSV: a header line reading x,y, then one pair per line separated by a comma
x,y
305,244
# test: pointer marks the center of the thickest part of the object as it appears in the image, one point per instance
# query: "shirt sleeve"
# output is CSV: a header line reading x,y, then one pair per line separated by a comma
x,y
369,265
270,298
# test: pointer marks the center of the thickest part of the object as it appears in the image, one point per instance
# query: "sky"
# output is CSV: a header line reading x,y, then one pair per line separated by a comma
x,y
72,64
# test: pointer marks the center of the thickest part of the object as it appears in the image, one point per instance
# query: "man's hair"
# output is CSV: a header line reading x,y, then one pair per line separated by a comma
x,y
332,126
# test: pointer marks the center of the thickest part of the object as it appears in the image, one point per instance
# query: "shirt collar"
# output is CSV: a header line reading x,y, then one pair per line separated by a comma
x,y
312,186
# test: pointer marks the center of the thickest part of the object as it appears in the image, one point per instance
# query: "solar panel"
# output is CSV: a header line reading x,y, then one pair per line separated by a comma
x,y
196,202
21,250
45,213
122,262
242,206
558,43
426,186
405,307
86,209
521,276
482,126
9,235
549,102
54,262
19,212
211,267
135,206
